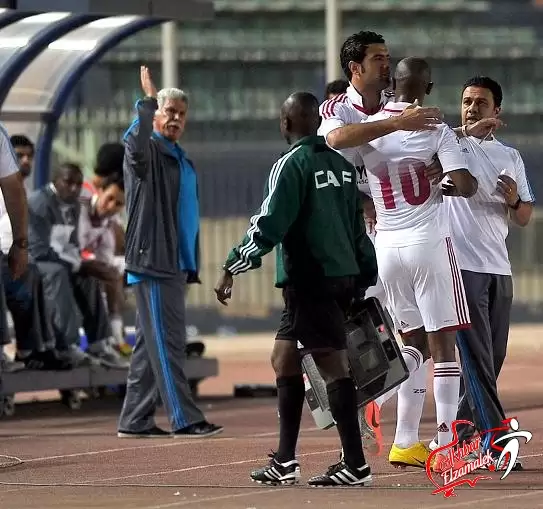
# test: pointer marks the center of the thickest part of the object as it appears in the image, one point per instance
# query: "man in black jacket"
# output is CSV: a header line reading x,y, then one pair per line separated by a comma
x,y
161,258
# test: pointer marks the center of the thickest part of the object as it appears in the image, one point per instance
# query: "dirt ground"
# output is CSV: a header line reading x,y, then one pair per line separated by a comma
x,y
73,459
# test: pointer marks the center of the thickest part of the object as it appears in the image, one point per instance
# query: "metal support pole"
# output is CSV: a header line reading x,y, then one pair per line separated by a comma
x,y
333,32
170,56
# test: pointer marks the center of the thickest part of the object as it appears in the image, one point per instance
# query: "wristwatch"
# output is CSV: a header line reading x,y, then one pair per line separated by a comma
x,y
516,205
21,243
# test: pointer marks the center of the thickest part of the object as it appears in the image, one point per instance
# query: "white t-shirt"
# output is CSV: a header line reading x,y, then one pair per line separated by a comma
x,y
479,225
343,110
8,166
409,208
8,160
88,191
96,239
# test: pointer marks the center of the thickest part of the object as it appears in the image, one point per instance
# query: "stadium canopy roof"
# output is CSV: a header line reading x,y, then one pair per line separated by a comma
x,y
44,55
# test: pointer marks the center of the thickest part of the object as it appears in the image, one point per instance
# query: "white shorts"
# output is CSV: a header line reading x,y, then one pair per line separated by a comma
x,y
378,290
423,285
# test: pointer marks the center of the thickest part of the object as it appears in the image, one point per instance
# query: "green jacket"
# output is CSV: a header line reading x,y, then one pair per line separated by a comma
x,y
312,213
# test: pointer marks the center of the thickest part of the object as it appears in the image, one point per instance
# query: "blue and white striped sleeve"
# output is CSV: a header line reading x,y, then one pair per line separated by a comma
x,y
8,159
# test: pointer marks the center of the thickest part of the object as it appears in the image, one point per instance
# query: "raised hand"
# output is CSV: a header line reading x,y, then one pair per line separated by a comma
x,y
147,84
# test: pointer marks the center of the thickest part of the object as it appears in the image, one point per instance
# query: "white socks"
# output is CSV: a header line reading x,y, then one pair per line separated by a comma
x,y
117,329
446,393
411,396
410,405
413,360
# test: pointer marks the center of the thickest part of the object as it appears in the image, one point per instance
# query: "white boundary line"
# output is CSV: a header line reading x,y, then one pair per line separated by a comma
x,y
445,503
227,464
216,465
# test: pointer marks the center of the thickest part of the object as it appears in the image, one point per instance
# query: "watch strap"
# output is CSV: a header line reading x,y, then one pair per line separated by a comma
x,y
516,205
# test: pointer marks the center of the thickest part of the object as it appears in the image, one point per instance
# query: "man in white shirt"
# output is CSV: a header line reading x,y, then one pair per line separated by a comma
x,y
365,60
99,214
416,259
479,227
109,161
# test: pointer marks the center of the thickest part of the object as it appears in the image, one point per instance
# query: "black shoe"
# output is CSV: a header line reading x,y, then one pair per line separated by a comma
x,y
277,473
45,361
77,357
199,430
504,464
9,366
107,356
153,432
342,475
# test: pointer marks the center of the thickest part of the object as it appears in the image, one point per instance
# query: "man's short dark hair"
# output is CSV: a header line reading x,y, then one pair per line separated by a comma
x,y
116,178
336,87
354,49
58,171
20,140
109,159
488,83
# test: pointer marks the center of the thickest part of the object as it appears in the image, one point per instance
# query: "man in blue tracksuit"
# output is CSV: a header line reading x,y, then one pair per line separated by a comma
x,y
161,259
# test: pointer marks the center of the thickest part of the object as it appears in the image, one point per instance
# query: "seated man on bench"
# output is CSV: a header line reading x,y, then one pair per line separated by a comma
x,y
97,223
24,297
70,283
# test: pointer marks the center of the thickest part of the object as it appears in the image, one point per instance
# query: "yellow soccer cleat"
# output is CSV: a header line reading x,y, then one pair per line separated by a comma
x,y
125,349
414,456
442,462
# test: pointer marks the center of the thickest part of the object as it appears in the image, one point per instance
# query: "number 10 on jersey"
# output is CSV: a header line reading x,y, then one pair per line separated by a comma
x,y
415,187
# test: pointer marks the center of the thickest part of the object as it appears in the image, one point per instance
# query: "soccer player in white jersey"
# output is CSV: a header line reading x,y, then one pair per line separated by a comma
x,y
365,60
479,227
416,258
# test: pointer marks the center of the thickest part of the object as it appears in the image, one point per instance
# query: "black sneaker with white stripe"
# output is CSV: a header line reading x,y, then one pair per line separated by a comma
x,y
277,473
517,467
342,475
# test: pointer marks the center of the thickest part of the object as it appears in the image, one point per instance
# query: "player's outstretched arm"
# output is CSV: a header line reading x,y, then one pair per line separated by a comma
x,y
481,129
412,118
136,138
284,195
462,182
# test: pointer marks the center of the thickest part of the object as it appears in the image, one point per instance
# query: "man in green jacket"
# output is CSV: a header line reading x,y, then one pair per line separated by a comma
x,y
312,214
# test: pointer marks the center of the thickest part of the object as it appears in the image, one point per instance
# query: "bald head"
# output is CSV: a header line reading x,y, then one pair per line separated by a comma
x,y
299,116
412,79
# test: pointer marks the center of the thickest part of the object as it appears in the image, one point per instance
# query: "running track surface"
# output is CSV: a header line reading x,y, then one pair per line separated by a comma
x,y
74,460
